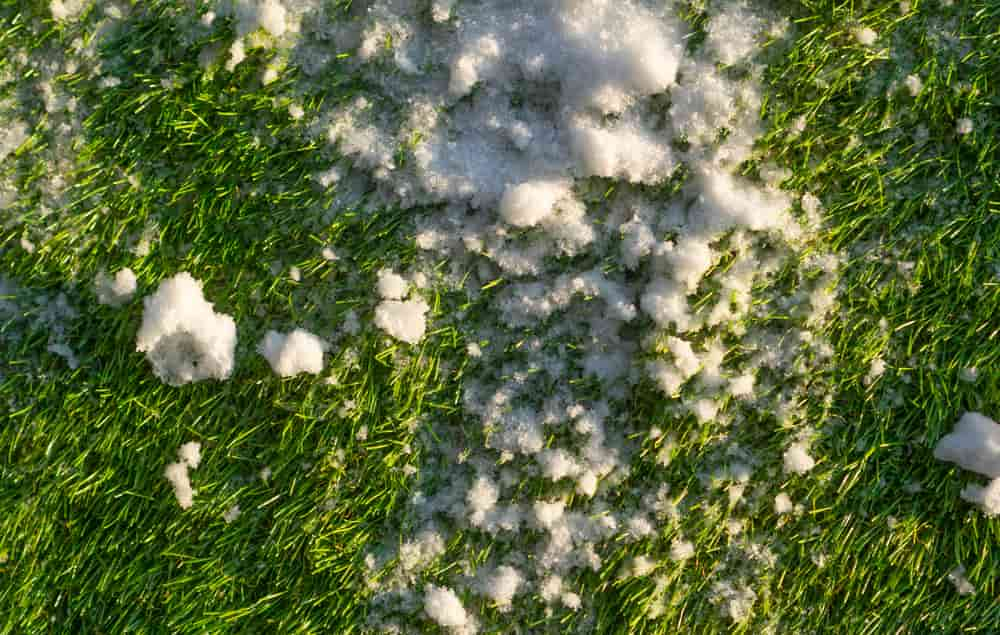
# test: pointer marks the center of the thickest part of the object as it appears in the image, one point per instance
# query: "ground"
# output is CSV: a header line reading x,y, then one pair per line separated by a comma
x,y
174,168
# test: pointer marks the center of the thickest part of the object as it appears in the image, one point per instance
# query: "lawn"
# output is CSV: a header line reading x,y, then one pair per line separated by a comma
x,y
126,140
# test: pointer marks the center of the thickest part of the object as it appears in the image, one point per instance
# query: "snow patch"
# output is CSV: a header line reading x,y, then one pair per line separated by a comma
x,y
405,321
177,473
443,606
115,291
290,354
183,338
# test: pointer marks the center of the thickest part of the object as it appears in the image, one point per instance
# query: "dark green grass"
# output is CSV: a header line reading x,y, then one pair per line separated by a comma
x,y
92,540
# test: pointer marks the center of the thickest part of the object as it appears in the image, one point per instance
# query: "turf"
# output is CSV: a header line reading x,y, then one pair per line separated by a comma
x,y
215,173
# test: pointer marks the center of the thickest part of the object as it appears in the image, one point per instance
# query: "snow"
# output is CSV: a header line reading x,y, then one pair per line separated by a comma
x,y
865,36
183,338
443,606
782,504
391,285
12,136
177,473
742,385
797,459
735,602
689,260
528,204
405,321
502,586
988,498
491,129
973,444
231,514
957,577
969,374
733,33
290,354
115,291
67,9
687,362
681,550
190,454
481,498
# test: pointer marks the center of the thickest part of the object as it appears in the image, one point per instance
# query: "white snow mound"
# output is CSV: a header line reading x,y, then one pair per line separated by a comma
x,y
974,445
290,354
405,321
443,606
183,337
177,473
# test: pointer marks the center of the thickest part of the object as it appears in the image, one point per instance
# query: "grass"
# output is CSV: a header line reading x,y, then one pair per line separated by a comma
x,y
91,539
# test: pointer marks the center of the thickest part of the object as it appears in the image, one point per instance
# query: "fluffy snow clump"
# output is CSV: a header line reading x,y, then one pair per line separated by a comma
x,y
177,473
443,606
183,337
406,321
115,291
974,445
290,354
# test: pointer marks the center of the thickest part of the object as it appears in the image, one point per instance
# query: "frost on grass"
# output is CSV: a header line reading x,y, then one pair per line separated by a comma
x,y
183,338
290,354
177,473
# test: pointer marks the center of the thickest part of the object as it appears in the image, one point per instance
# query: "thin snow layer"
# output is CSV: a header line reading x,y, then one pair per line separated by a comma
x,y
290,354
182,336
405,321
115,291
536,142
974,445
177,473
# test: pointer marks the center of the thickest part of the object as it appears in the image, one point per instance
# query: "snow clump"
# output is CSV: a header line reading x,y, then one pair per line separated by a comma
x,y
177,473
183,338
115,291
443,606
962,584
404,320
391,285
797,459
290,354
974,445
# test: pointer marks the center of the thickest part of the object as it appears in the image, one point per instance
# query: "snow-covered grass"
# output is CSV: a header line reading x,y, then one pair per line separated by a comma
x,y
485,390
